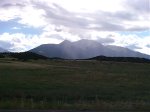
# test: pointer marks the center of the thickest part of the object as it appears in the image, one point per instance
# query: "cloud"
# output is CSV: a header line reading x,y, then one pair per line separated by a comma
x,y
134,47
101,21
148,45
106,40
16,28
14,3
139,6
56,36
19,42
9,41
5,44
41,13
23,11
57,20
32,17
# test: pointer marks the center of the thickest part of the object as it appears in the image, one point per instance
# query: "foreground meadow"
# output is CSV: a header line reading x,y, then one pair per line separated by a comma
x,y
74,85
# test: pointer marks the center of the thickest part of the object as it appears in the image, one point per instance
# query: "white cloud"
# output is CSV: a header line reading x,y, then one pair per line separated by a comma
x,y
19,42
89,5
25,14
61,31
8,14
77,19
32,17
16,28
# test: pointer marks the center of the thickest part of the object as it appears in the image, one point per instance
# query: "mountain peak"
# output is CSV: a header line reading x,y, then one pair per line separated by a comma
x,y
65,42
83,49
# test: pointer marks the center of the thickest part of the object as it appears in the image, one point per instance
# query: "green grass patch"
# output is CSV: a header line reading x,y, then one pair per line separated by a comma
x,y
70,84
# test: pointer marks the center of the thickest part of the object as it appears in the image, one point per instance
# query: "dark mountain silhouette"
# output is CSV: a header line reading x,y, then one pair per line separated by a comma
x,y
121,59
84,49
22,56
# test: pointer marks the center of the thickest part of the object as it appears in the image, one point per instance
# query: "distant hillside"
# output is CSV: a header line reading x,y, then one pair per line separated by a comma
x,y
84,49
121,59
29,55
22,56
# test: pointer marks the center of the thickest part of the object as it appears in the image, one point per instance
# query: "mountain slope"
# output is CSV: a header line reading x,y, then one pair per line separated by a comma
x,y
125,52
83,49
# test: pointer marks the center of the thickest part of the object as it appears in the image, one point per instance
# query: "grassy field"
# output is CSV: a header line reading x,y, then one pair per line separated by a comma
x,y
74,85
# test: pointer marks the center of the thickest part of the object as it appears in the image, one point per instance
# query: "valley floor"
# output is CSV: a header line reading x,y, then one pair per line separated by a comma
x,y
74,85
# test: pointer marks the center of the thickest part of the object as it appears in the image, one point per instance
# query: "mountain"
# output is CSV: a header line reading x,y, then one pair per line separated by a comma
x,y
3,50
84,49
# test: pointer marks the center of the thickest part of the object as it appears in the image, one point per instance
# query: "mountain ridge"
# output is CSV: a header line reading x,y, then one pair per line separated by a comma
x,y
84,49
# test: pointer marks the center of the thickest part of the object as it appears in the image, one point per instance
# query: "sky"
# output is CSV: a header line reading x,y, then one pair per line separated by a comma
x,y
26,24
